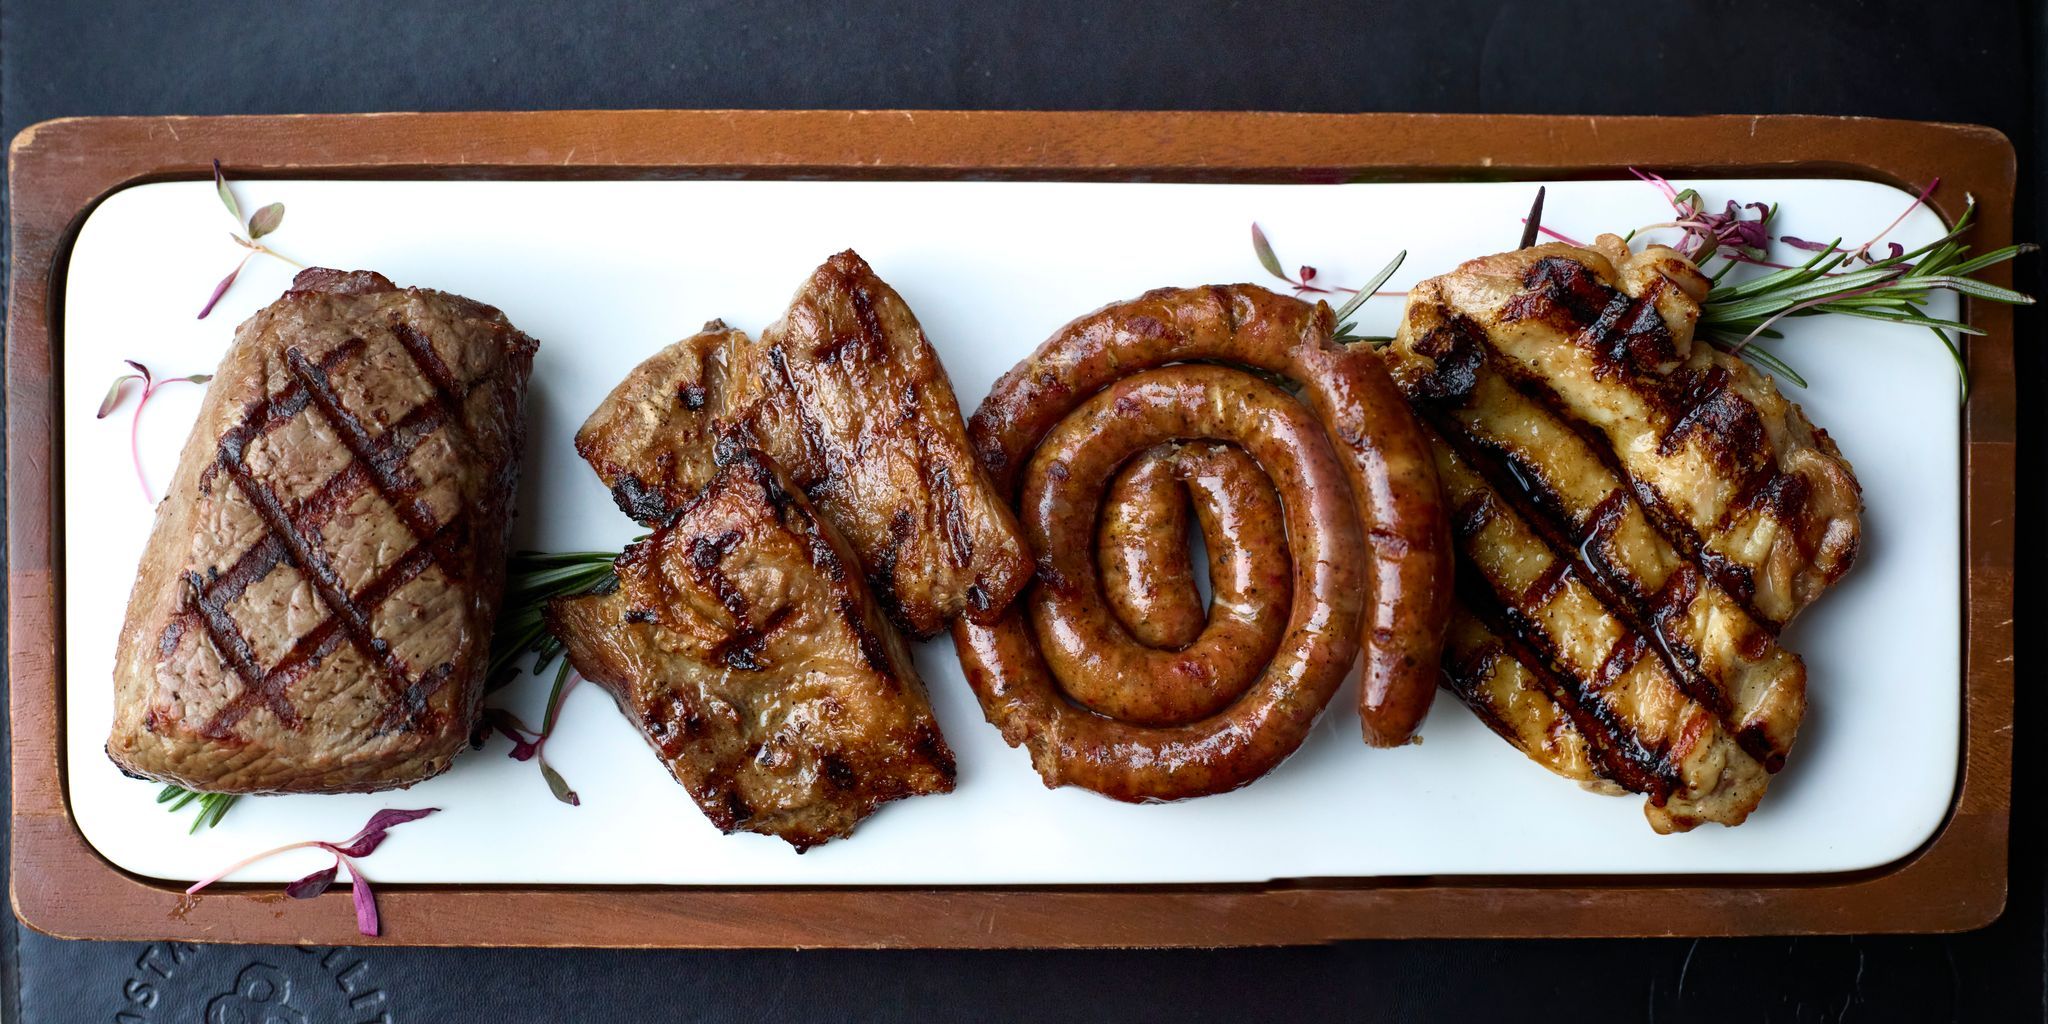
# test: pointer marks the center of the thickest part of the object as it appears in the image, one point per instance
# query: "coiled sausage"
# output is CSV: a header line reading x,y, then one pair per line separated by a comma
x,y
1060,682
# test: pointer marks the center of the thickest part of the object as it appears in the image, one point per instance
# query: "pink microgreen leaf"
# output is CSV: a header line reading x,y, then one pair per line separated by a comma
x,y
365,900
1264,249
113,399
363,843
508,724
222,288
1671,195
314,884
1308,273
265,221
227,196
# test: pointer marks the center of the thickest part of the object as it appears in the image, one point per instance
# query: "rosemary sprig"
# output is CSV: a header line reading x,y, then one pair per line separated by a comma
x,y
1346,327
1851,283
533,579
212,806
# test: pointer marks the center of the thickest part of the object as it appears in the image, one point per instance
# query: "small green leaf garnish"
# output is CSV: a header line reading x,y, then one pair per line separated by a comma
x,y
265,221
227,195
1267,259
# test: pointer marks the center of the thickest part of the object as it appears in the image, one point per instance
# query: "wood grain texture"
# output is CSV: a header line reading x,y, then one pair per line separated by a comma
x,y
60,169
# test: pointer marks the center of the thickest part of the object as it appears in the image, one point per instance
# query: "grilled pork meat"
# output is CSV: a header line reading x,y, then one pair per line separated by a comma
x,y
847,396
752,657
313,611
1637,514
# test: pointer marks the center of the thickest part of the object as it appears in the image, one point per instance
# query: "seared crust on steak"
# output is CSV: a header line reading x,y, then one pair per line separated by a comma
x,y
1637,517
313,611
847,396
743,644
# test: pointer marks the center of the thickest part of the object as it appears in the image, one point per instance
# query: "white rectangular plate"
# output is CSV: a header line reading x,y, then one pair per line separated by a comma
x,y
604,273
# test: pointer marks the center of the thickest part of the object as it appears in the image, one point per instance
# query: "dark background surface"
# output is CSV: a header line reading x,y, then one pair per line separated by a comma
x,y
1957,61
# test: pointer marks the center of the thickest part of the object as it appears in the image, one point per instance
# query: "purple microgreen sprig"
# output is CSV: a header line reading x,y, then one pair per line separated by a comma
x,y
1304,285
346,854
533,579
112,401
1727,233
1303,281
531,745
262,222
1862,252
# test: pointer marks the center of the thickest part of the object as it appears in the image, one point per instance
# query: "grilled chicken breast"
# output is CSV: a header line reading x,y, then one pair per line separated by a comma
x,y
313,611
1637,516
743,643
847,396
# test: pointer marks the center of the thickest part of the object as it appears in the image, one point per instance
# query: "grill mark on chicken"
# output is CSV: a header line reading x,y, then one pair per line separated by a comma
x,y
1645,615
1736,580
1702,410
1626,333
1614,744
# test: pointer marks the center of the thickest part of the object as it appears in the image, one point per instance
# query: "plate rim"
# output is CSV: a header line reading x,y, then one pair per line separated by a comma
x,y
61,170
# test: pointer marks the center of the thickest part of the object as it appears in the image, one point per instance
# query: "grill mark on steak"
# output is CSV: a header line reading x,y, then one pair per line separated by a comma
x,y
235,650
318,643
421,349
292,532
384,460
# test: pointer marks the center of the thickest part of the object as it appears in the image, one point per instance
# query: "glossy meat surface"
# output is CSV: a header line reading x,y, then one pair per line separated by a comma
x,y
1637,515
846,394
314,608
743,644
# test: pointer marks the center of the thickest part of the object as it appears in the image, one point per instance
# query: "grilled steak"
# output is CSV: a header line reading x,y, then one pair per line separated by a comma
x,y
749,653
848,397
313,611
1637,516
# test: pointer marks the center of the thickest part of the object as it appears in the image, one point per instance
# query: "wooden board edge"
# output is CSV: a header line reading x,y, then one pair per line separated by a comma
x,y
59,169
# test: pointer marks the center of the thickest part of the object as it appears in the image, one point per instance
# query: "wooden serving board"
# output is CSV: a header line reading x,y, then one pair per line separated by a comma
x,y
62,170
